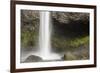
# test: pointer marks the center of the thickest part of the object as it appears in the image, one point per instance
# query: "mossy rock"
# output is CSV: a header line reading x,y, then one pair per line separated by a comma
x,y
69,56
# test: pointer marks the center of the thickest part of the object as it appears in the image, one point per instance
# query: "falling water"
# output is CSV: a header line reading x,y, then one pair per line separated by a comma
x,y
44,36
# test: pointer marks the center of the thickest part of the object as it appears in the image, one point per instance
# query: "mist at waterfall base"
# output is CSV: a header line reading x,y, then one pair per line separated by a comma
x,y
44,50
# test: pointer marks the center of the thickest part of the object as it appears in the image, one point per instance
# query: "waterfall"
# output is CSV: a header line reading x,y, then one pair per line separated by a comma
x,y
45,37
44,34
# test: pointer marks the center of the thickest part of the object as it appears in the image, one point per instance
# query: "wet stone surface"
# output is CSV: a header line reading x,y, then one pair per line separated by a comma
x,y
33,58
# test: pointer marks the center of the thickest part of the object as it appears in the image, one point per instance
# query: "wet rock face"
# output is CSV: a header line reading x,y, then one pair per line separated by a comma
x,y
63,17
66,17
29,20
65,22
33,58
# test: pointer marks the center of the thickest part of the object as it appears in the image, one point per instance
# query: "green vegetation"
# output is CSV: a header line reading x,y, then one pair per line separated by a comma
x,y
29,39
74,52
79,41
69,44
29,28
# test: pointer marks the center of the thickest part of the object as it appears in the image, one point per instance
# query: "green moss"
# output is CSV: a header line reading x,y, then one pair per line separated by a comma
x,y
28,39
69,56
79,41
72,43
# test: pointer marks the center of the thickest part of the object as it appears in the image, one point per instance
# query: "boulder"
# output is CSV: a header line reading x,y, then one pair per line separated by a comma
x,y
33,58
